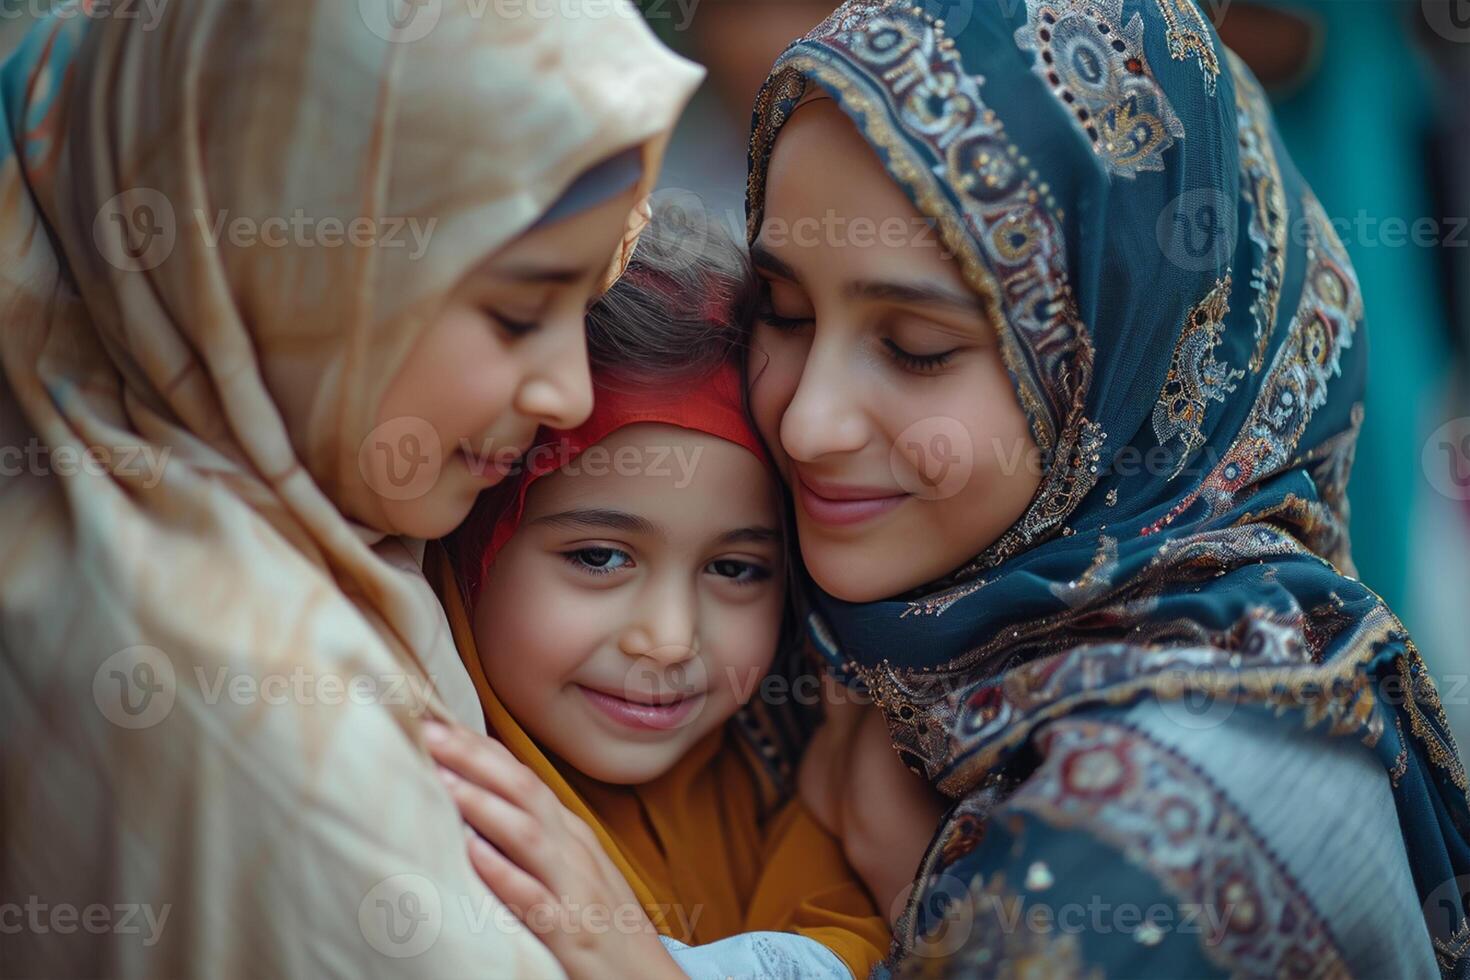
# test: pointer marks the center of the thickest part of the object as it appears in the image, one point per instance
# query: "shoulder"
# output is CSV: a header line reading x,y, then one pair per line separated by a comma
x,y
1155,837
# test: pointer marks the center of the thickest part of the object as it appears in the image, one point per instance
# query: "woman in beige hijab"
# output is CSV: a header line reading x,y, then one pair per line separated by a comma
x,y
283,286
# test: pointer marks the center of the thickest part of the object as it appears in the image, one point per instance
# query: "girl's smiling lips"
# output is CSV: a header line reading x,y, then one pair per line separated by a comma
x,y
837,505
644,715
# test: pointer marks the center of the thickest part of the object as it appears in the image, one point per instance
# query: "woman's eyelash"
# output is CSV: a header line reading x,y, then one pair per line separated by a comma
x,y
768,313
918,362
579,559
516,328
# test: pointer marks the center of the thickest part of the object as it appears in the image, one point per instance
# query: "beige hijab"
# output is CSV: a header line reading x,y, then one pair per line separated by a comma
x,y
210,680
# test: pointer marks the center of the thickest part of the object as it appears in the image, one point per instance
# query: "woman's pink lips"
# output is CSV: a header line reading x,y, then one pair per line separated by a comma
x,y
849,505
491,469
638,714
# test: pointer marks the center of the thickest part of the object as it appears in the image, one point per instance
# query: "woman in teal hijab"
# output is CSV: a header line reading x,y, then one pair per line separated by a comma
x,y
1180,738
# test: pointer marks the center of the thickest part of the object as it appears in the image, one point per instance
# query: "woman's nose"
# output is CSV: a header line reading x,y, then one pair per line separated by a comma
x,y
825,414
557,387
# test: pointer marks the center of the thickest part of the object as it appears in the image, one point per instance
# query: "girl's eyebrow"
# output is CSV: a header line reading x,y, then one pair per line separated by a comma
x,y
592,519
750,535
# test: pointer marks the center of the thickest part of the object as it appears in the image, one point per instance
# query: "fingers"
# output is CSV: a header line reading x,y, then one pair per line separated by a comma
x,y
527,827
487,763
521,892
513,831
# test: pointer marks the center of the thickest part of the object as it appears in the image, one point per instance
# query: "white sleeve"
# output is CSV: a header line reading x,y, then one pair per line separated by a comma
x,y
759,956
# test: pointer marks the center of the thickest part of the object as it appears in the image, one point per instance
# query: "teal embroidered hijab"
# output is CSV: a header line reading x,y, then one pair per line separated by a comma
x,y
1182,326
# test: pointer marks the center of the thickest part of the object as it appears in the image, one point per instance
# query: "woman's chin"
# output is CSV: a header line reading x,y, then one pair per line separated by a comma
x,y
858,574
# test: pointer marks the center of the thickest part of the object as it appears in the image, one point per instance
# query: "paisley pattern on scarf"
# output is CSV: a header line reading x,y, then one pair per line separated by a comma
x,y
1195,377
1189,38
1220,573
1161,813
1095,64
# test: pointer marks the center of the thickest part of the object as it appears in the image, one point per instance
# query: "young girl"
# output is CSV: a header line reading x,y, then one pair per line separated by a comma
x,y
1066,395
622,602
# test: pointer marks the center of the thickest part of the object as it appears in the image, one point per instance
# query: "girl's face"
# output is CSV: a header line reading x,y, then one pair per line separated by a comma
x,y
877,379
506,354
639,603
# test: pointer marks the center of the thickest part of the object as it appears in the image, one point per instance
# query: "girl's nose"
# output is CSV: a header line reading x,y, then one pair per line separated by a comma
x,y
663,627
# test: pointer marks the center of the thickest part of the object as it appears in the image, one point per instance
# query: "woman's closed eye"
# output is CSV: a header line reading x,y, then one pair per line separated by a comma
x,y
920,363
781,321
598,560
514,328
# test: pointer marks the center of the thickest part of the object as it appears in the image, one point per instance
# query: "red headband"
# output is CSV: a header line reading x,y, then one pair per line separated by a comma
x,y
713,405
